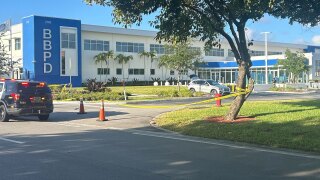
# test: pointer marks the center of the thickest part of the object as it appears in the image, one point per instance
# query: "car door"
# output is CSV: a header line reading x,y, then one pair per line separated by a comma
x,y
9,93
206,87
1,89
201,85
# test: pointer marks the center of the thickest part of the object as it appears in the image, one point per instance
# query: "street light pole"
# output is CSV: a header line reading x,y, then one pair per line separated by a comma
x,y
266,53
70,72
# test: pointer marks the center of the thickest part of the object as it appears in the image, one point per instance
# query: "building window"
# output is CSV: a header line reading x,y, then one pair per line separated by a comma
x,y
119,71
183,72
256,53
10,45
160,49
136,71
152,71
103,71
129,47
17,45
317,62
230,53
274,53
63,63
171,72
195,49
215,52
96,45
68,40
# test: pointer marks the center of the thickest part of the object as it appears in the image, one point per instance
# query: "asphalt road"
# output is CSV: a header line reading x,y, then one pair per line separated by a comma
x,y
72,146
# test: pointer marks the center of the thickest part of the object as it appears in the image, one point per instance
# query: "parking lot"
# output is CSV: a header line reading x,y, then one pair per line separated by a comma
x,y
77,146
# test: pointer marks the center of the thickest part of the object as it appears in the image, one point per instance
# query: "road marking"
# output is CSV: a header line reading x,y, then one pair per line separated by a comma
x,y
9,140
229,145
78,125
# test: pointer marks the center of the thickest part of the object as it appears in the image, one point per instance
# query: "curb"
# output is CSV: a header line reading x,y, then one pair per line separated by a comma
x,y
287,92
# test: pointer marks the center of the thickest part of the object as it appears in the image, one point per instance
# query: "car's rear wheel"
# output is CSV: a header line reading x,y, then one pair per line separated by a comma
x,y
43,117
4,116
213,92
192,90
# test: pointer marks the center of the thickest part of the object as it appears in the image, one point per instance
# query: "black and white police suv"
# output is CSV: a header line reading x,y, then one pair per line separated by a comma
x,y
208,86
24,98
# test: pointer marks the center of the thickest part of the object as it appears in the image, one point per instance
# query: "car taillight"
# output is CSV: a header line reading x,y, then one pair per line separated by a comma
x,y
42,84
25,84
15,96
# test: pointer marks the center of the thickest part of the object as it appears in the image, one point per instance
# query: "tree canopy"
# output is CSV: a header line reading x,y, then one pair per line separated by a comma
x,y
183,57
306,12
211,21
295,63
5,65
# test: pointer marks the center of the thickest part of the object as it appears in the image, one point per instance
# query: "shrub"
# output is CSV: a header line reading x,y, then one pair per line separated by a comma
x,y
55,88
94,86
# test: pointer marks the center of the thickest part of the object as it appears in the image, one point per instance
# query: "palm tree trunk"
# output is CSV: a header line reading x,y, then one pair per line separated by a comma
x,y
144,67
100,70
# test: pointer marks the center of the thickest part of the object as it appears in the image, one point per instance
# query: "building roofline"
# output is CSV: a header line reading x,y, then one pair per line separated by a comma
x,y
51,17
117,30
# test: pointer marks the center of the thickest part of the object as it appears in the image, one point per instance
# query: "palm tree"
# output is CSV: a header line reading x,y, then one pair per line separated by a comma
x,y
152,56
144,54
162,64
103,57
123,59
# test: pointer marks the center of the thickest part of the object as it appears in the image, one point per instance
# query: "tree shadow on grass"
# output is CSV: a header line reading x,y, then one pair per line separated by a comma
x,y
304,103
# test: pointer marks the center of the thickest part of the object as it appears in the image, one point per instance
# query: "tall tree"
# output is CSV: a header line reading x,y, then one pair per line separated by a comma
x,y
152,56
294,63
182,59
306,12
145,55
123,59
5,65
103,57
205,19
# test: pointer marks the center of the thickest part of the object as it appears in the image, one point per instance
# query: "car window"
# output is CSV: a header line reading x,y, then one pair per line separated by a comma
x,y
33,87
201,82
214,83
10,87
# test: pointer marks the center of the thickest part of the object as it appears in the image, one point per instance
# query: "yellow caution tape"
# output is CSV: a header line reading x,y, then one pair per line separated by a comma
x,y
242,91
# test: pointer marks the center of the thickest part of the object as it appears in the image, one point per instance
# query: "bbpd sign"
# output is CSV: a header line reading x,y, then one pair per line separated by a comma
x,y
47,47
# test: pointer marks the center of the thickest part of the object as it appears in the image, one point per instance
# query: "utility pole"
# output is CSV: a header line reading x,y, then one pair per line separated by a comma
x,y
266,53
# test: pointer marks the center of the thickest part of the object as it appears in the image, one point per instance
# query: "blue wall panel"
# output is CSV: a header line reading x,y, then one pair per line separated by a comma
x,y
28,47
45,24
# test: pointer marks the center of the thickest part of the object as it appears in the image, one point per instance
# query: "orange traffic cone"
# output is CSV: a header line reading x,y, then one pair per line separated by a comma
x,y
81,109
102,116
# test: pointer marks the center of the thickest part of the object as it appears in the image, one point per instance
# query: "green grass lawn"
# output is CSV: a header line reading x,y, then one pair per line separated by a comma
x,y
146,90
285,124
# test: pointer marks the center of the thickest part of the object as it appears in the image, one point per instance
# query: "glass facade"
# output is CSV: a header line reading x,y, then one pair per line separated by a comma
x,y
258,74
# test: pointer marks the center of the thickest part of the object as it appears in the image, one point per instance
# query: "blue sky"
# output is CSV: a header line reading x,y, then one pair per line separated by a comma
x,y
280,30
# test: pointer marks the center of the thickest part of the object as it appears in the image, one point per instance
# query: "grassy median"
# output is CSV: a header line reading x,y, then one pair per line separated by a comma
x,y
285,124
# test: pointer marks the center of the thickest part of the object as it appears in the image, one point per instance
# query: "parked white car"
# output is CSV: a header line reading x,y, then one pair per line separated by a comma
x,y
208,86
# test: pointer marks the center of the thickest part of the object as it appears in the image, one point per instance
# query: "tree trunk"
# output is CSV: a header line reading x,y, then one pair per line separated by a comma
x,y
239,100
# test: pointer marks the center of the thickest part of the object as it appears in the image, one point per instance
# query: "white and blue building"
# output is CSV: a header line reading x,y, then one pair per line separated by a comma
x,y
60,51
